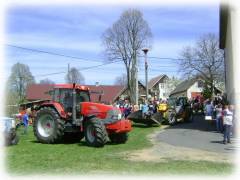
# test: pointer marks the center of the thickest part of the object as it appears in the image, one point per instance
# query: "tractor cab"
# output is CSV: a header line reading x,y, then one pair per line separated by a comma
x,y
70,95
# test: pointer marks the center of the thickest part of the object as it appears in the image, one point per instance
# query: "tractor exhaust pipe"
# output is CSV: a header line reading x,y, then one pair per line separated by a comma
x,y
74,105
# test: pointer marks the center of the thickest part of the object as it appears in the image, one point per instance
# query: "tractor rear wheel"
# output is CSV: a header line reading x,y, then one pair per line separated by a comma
x,y
119,138
48,127
95,133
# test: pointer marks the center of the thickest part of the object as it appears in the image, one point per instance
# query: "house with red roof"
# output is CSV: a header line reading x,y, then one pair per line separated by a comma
x,y
107,94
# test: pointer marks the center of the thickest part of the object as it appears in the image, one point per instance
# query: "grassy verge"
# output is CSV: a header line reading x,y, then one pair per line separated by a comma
x,y
31,157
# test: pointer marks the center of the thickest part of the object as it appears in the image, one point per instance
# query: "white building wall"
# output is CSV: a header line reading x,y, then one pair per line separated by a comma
x,y
232,59
193,88
162,91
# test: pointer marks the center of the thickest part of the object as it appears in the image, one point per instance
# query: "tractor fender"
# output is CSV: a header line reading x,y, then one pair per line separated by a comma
x,y
86,118
57,106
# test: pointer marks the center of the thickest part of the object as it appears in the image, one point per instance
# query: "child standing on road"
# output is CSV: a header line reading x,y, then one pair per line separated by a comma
x,y
227,123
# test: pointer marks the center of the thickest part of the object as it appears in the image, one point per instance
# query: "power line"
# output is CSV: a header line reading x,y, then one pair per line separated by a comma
x,y
164,58
80,58
80,69
91,67
51,53
84,59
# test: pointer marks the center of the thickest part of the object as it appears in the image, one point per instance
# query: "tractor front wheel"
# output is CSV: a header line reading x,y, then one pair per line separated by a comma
x,y
172,119
48,127
119,138
95,133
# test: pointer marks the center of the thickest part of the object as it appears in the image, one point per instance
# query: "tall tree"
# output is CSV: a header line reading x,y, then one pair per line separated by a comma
x,y
18,81
124,40
46,81
121,80
172,83
74,76
204,59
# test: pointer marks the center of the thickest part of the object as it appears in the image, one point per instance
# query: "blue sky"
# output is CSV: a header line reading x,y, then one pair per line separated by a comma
x,y
76,31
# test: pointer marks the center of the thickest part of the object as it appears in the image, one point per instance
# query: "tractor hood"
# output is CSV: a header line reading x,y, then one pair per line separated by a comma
x,y
102,111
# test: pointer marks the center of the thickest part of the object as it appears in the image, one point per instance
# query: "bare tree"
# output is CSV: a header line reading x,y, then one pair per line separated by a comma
x,y
124,40
74,76
121,80
172,83
46,81
204,59
18,81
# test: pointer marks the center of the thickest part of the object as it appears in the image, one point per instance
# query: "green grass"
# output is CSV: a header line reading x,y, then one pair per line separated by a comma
x,y
30,157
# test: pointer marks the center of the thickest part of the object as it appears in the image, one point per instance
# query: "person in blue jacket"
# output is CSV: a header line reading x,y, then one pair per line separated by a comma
x,y
25,120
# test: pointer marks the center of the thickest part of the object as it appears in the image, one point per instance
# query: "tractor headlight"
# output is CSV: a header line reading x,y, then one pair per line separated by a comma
x,y
119,116
13,123
114,114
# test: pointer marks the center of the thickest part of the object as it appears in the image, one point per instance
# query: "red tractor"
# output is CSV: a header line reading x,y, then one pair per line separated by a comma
x,y
70,113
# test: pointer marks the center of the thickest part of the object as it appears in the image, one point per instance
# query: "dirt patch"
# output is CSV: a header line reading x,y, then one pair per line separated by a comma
x,y
163,152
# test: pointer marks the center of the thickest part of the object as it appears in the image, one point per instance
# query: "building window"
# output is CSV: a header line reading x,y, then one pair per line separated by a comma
x,y
200,84
161,85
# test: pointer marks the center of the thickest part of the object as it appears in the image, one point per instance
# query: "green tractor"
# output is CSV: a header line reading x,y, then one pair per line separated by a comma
x,y
179,110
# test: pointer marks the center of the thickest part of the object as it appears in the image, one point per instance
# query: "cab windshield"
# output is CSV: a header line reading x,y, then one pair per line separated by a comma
x,y
171,101
65,97
82,96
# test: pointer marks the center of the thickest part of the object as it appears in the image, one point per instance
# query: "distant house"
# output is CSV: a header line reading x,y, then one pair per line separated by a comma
x,y
124,94
158,86
104,93
190,88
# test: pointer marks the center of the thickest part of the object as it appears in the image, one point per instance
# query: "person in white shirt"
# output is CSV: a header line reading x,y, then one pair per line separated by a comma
x,y
227,123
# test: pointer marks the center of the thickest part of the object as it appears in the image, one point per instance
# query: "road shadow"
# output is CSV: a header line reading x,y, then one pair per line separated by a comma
x,y
217,142
198,123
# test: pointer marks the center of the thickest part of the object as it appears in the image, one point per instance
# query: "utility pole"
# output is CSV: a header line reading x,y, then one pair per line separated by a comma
x,y
68,75
68,68
136,76
145,50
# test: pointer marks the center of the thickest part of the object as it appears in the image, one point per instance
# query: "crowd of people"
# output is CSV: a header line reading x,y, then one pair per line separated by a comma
x,y
223,114
217,108
148,107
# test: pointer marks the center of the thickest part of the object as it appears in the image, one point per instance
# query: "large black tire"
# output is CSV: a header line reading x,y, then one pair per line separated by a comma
x,y
15,140
95,133
172,120
48,127
11,137
119,138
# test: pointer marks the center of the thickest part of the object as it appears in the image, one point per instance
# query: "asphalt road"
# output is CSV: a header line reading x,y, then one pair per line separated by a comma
x,y
199,134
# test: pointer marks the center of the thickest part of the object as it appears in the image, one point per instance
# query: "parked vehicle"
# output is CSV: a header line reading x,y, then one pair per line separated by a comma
x,y
70,113
179,110
9,131
175,110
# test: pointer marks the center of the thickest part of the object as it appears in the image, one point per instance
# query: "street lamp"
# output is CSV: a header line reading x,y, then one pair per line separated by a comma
x,y
145,50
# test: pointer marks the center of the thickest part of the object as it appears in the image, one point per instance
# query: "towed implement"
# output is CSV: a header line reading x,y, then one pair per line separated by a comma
x,y
71,114
175,110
